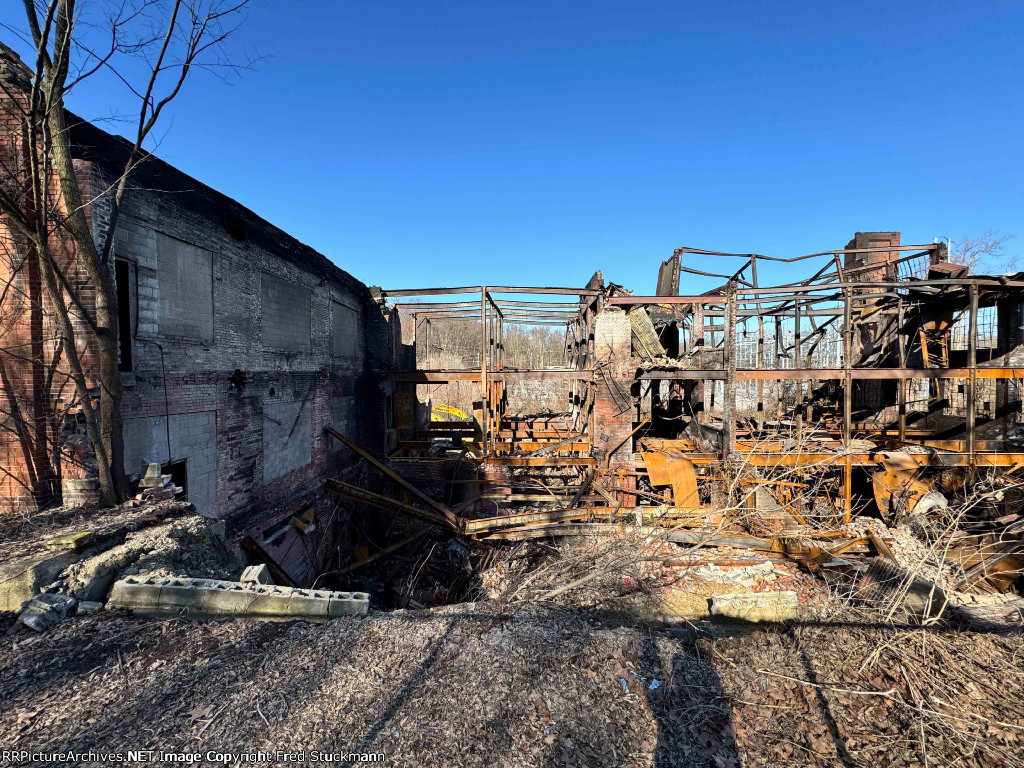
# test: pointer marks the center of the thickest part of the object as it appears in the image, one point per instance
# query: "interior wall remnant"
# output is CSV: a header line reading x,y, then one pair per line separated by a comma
x,y
871,340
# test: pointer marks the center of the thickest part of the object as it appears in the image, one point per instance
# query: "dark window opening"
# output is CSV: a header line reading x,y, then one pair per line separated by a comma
x,y
122,276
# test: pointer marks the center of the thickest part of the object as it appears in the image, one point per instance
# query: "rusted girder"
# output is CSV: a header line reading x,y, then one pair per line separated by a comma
x,y
827,374
424,376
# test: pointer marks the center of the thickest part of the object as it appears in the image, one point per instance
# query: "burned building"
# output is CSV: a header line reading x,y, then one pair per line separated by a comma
x,y
293,403
753,415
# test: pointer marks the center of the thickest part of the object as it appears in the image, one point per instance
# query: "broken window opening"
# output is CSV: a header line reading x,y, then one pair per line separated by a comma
x,y
122,284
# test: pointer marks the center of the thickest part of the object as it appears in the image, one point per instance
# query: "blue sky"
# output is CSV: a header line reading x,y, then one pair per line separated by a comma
x,y
534,142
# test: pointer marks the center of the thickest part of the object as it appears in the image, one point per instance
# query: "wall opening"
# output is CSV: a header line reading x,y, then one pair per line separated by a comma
x,y
122,280
178,470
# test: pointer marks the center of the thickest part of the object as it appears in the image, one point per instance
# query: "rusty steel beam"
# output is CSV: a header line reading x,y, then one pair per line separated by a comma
x,y
526,445
837,459
825,374
380,553
832,289
504,374
491,289
541,461
356,493
618,301
503,303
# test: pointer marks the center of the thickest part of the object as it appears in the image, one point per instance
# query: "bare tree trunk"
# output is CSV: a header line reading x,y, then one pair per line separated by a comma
x,y
108,440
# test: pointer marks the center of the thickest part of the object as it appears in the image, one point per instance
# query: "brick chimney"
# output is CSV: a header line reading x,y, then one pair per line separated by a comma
x,y
884,260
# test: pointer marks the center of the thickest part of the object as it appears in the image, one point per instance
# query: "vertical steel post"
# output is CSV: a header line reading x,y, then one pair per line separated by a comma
x,y
847,405
484,394
902,338
697,353
729,396
760,343
798,363
972,357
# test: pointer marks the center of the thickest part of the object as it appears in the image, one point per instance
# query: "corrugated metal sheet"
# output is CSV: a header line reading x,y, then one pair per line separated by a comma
x,y
645,338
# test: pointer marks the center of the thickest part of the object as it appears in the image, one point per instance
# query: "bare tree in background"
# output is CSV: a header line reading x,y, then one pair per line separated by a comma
x,y
150,47
984,252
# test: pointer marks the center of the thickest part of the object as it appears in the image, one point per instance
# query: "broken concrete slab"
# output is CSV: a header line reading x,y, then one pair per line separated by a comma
x,y
74,541
22,579
741,576
205,597
257,574
43,611
755,606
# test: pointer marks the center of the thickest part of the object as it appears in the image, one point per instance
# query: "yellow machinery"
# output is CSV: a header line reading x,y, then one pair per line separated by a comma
x,y
442,412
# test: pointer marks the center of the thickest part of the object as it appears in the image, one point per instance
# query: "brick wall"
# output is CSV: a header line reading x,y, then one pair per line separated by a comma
x,y
34,390
273,320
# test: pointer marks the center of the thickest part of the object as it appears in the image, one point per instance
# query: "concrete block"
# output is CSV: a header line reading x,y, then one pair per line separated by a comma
x,y
309,602
96,586
273,601
257,574
178,593
130,592
347,603
86,484
23,579
755,606
232,598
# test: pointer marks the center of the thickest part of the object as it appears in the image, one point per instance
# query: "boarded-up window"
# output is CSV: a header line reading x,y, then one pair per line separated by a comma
x,y
285,319
185,275
344,330
286,438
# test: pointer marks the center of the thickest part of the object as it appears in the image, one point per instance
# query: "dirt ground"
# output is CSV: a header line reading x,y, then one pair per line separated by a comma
x,y
22,535
478,684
